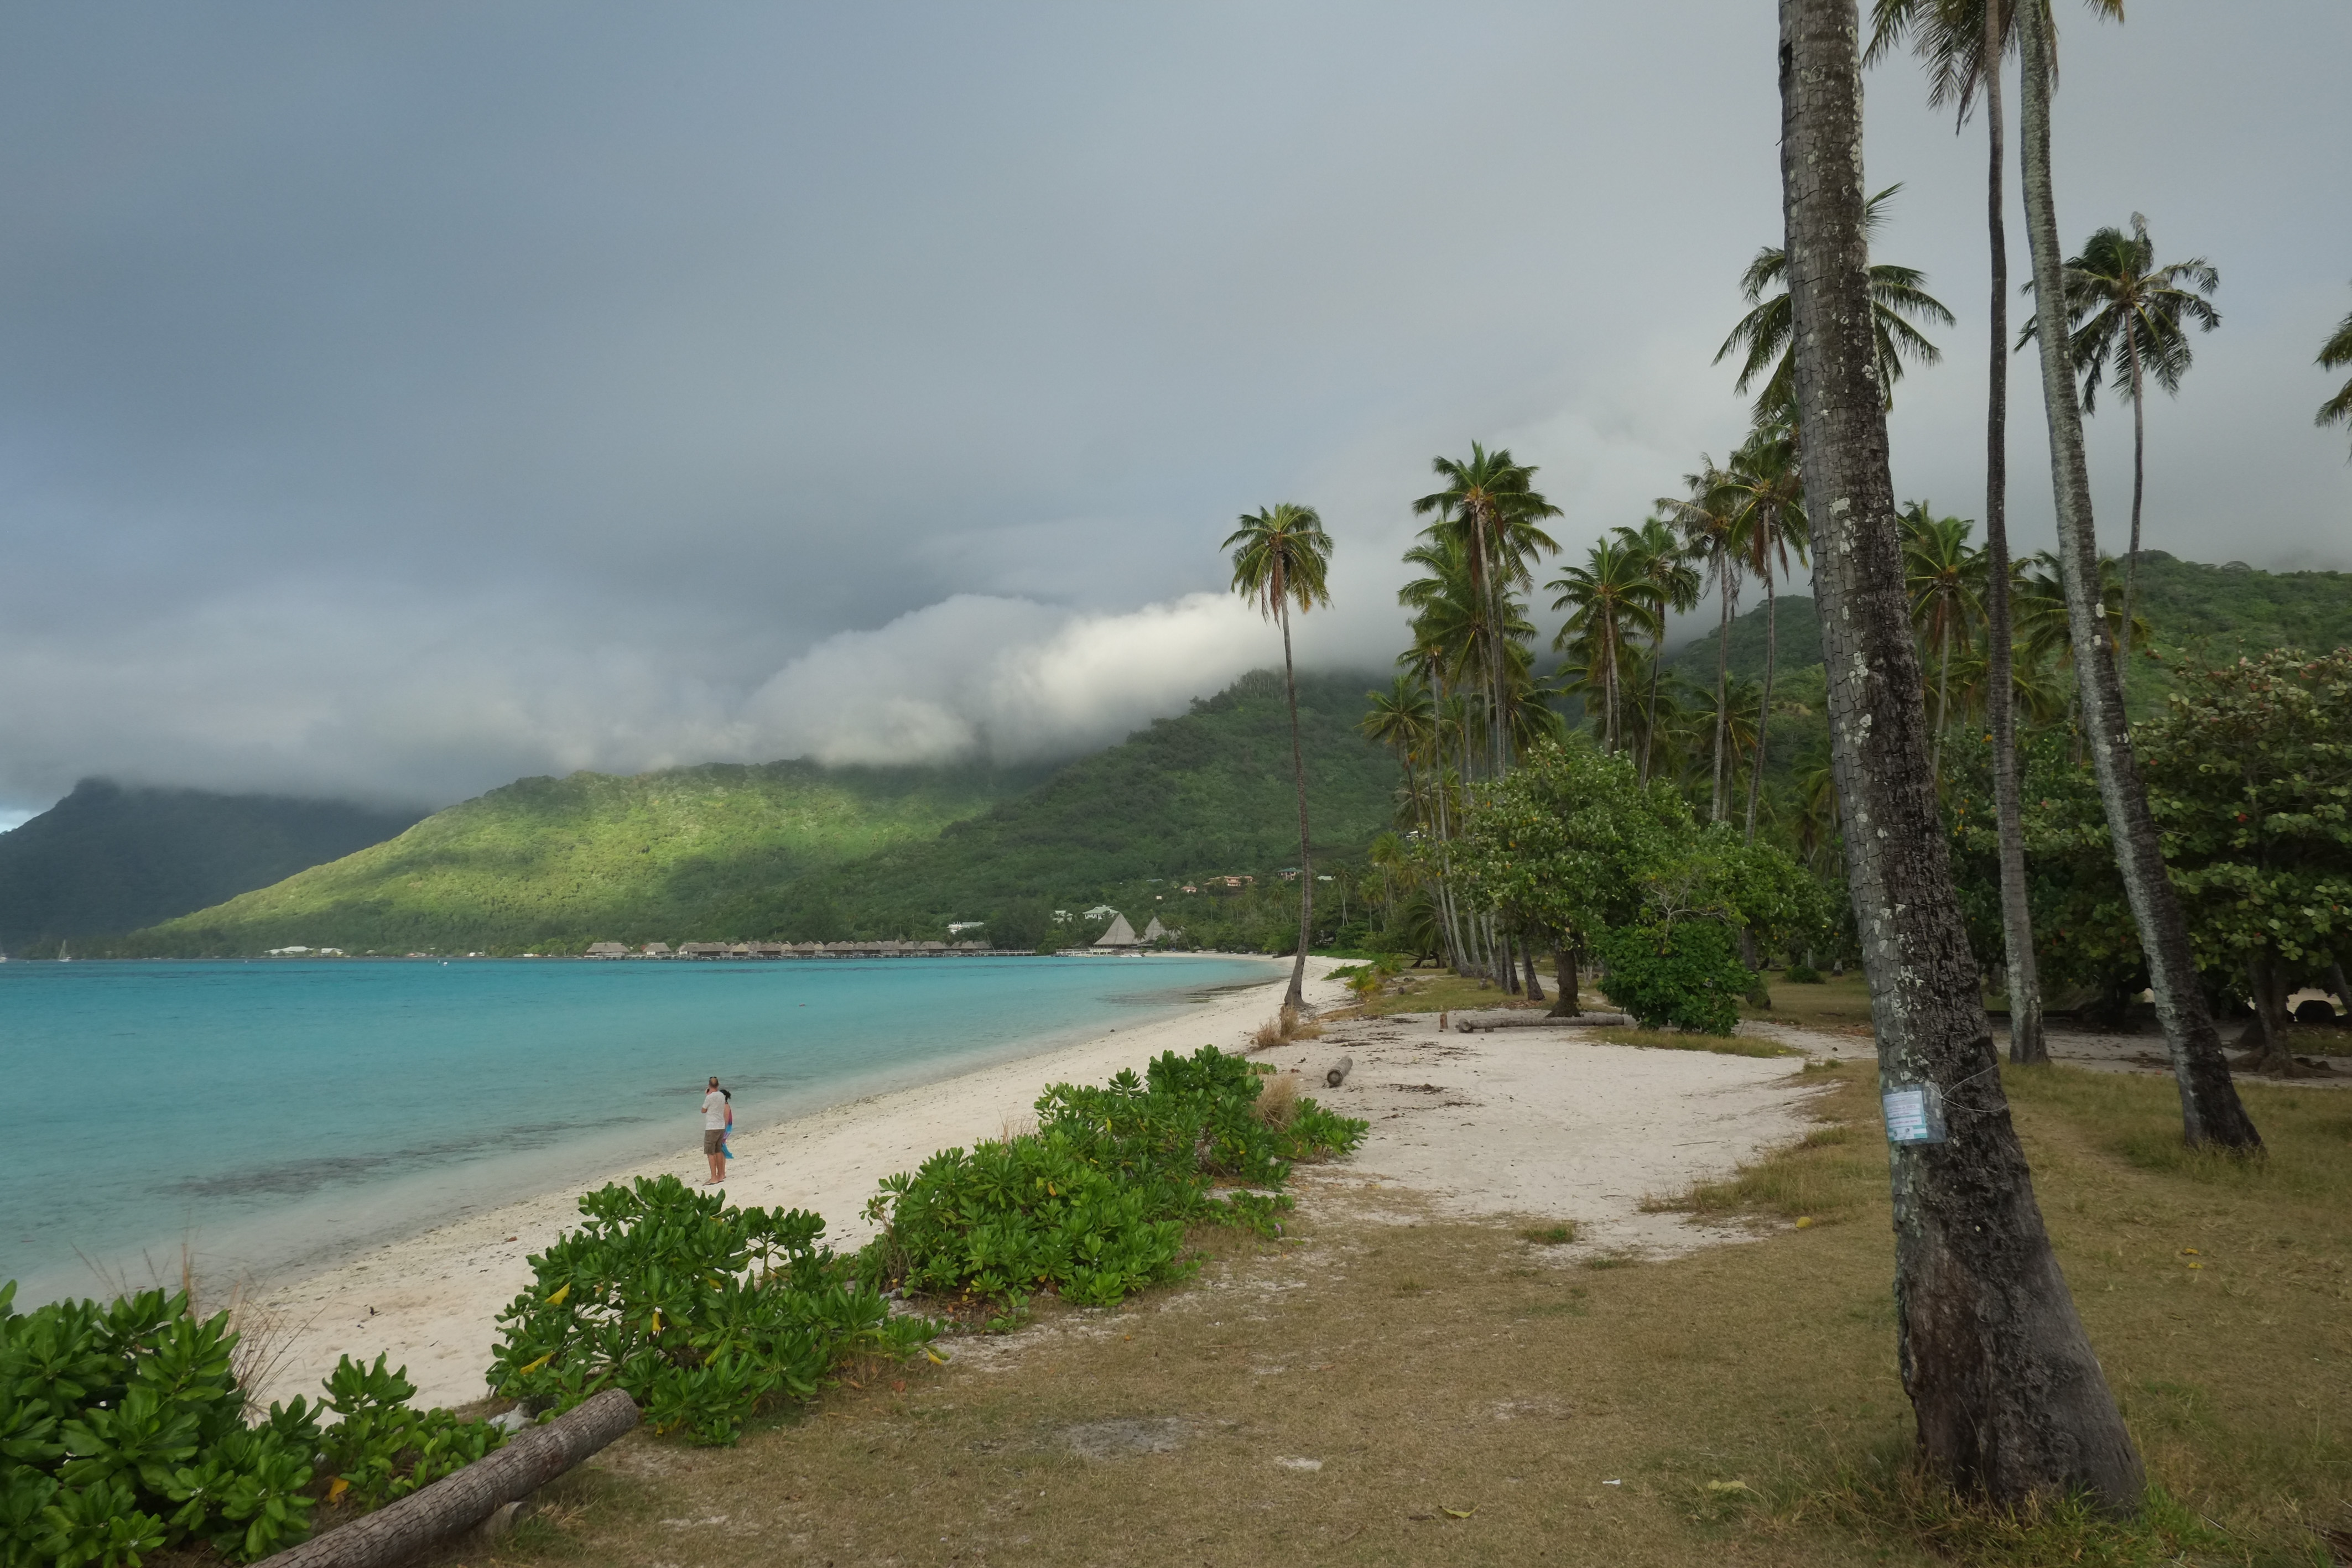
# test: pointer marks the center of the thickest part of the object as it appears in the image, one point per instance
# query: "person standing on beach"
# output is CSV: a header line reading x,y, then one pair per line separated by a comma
x,y
714,1131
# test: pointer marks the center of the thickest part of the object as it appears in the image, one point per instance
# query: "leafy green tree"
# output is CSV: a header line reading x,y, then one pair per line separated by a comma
x,y
2250,776
1023,924
1765,335
2209,1107
2334,355
2129,318
1281,557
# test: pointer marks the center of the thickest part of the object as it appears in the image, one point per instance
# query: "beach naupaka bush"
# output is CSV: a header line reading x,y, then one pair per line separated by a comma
x,y
704,1313
122,1431
1095,1203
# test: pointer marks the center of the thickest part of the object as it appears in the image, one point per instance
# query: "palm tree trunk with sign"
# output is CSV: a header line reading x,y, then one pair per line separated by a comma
x,y
2008,1397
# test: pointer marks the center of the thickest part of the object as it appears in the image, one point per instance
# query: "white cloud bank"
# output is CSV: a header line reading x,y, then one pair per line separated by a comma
x,y
433,704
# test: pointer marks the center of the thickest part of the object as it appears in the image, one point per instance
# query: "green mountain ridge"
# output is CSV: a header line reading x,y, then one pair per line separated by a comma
x,y
793,849
111,857
557,863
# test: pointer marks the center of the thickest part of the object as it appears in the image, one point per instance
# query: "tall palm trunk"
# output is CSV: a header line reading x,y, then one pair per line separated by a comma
x,y
2210,1110
1722,686
2140,484
1295,996
1764,708
1943,692
2025,1043
1496,719
1650,715
2008,1396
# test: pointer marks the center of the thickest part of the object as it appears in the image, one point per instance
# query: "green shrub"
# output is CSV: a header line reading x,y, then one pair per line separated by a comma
x,y
1802,974
1095,1203
122,1431
1684,975
704,1313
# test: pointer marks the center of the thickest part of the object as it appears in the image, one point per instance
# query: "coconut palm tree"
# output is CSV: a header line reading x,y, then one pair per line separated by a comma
x,y
1945,578
1765,335
1491,505
1282,557
1675,585
1963,43
2334,355
1709,517
1770,519
2009,1400
1611,599
2210,1111
2129,319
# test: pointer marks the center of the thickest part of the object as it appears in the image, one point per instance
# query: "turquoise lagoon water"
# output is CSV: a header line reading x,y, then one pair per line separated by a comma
x,y
276,1113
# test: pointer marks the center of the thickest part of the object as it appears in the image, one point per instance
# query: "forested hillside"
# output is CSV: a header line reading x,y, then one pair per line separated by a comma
x,y
557,863
1209,791
108,858
789,849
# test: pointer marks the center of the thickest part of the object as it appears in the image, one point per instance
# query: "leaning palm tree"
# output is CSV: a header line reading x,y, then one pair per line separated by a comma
x,y
1944,577
1611,599
1675,585
2129,318
1281,557
2334,355
1765,477
1963,43
2211,1110
1491,505
1766,333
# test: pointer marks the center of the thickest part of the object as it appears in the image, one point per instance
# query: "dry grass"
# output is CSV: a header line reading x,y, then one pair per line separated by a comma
x,y
1468,1400
1283,1028
1277,1100
1679,1040
1438,990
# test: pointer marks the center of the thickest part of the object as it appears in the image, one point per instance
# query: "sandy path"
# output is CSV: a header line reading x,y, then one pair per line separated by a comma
x,y
1546,1124
1530,1122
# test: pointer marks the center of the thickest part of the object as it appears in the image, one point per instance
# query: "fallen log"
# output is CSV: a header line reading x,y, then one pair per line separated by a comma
x,y
1339,1071
459,1503
1467,1023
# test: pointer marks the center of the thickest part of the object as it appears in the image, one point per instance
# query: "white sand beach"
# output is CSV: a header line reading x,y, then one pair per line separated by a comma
x,y
1521,1122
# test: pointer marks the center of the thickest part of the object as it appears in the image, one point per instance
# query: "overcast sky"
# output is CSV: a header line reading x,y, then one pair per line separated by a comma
x,y
397,399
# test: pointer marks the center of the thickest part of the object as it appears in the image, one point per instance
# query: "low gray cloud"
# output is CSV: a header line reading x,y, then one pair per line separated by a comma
x,y
394,400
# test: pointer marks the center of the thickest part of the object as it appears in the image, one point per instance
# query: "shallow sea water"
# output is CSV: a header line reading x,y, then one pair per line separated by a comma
x,y
274,1113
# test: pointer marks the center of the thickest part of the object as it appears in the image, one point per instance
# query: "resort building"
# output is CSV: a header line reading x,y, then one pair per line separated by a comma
x,y
1120,934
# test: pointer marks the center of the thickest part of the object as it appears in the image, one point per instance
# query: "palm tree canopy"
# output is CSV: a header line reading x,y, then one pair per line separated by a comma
x,y
1768,485
1949,37
1281,554
1766,333
2335,354
2119,301
1493,496
1611,596
1945,576
1676,582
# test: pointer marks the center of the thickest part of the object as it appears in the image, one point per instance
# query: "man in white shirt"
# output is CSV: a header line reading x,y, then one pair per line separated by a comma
x,y
715,1119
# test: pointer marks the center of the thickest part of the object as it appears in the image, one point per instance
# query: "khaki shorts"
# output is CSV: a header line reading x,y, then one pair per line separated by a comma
x,y
711,1138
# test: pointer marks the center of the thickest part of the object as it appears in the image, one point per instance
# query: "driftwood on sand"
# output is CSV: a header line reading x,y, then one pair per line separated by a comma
x,y
1508,1017
456,1503
1339,1071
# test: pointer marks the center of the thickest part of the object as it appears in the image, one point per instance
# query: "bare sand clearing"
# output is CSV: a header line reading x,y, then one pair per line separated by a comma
x,y
1530,1121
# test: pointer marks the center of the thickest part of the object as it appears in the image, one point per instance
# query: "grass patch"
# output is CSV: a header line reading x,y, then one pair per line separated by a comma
x,y
1840,1005
1558,1235
1745,1396
1680,1039
1432,991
